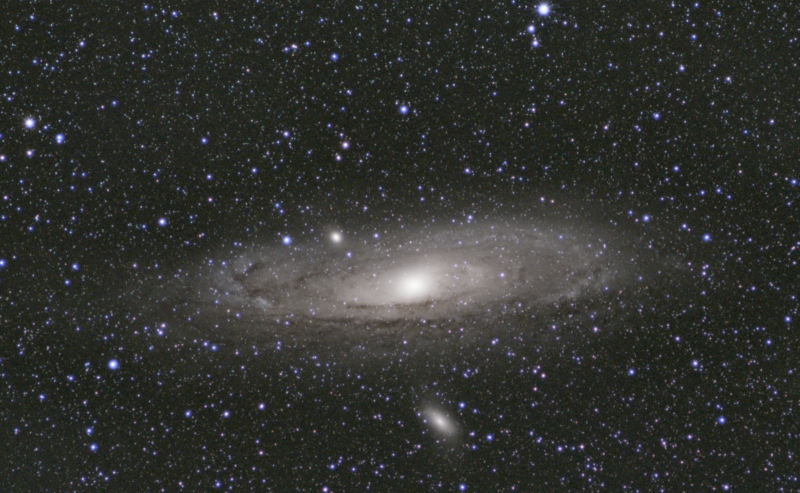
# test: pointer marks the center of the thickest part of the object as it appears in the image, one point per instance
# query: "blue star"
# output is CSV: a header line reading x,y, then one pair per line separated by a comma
x,y
113,364
286,240
403,110
59,138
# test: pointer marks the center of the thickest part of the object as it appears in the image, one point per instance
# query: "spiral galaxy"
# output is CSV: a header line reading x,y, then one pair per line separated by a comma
x,y
386,284
449,274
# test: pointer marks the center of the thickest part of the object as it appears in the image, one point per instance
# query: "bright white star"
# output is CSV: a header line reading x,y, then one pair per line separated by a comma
x,y
543,9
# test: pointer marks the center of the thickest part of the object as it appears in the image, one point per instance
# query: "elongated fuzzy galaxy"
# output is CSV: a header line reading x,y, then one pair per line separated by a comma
x,y
450,274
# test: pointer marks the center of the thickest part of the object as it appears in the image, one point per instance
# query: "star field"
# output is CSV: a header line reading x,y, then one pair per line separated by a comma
x,y
230,259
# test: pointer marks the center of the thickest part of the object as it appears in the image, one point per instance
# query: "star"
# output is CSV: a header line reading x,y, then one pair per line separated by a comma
x,y
543,9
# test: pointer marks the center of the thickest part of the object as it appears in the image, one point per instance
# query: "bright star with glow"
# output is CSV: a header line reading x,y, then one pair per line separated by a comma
x,y
113,364
336,237
30,123
543,9
59,138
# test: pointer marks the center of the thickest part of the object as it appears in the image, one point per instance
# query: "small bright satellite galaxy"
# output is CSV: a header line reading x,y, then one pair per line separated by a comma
x,y
503,246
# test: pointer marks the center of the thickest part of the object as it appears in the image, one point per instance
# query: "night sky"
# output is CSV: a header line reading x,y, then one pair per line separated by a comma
x,y
400,246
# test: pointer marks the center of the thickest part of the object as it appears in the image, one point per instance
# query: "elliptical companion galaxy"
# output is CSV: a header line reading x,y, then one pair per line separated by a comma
x,y
379,284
